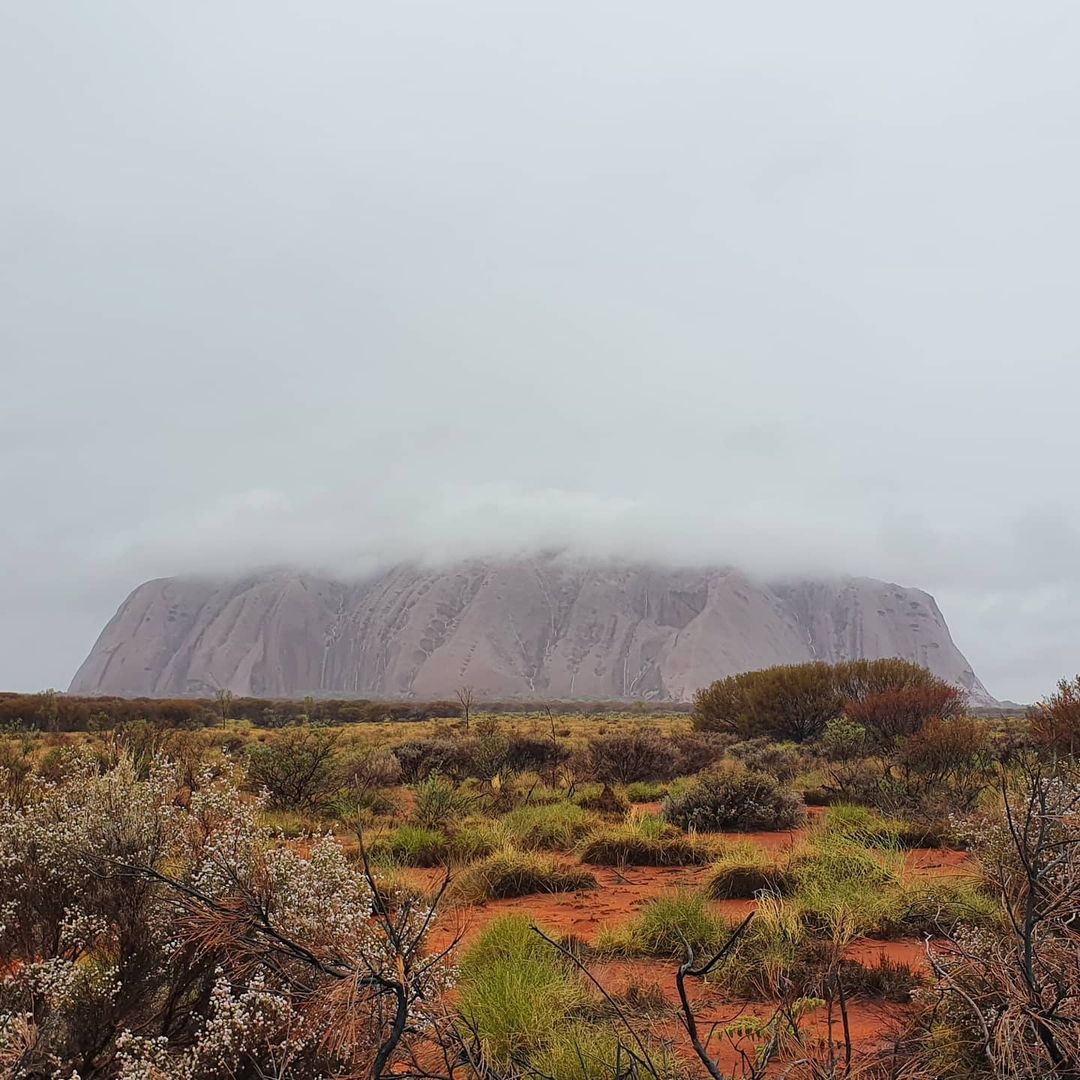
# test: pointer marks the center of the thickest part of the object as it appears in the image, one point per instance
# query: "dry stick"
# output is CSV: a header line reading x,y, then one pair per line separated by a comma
x,y
847,1027
687,968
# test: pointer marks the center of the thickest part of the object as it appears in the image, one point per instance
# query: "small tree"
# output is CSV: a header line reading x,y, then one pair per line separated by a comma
x,y
465,697
298,769
224,699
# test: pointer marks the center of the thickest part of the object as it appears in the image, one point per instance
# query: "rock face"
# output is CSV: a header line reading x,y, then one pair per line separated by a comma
x,y
541,627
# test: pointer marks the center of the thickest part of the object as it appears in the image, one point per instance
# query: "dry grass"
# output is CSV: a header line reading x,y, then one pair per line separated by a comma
x,y
510,873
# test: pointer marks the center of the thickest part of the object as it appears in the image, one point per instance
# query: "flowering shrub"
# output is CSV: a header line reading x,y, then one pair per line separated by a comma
x,y
148,930
735,798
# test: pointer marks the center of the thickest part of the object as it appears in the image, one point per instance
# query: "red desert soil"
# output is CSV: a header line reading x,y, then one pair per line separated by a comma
x,y
622,891
870,1022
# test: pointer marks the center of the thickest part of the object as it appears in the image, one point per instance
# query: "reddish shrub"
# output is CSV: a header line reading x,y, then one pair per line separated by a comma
x,y
1055,721
895,713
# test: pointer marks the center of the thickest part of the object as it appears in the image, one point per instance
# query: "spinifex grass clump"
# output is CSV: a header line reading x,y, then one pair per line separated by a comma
x,y
664,926
534,1014
735,798
510,873
862,825
411,845
551,827
646,791
743,871
646,840
842,890
516,991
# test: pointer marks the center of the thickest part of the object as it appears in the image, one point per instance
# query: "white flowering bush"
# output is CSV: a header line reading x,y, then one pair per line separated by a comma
x,y
148,930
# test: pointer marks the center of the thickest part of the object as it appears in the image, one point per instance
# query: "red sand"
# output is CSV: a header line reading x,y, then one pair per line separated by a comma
x,y
622,892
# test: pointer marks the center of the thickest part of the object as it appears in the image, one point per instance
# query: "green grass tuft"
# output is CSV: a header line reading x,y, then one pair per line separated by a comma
x,y
510,873
550,827
744,871
646,840
517,991
664,926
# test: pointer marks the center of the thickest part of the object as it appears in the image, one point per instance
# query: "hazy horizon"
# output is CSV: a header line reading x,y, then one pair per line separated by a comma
x,y
782,287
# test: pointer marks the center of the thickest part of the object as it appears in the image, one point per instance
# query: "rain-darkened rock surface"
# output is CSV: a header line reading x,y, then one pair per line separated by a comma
x,y
540,627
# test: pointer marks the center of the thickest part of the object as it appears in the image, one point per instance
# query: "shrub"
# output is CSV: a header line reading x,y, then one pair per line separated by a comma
x,y
488,758
438,802
735,798
298,768
510,873
139,906
1055,721
781,760
691,752
529,753
889,698
635,755
892,714
792,701
418,758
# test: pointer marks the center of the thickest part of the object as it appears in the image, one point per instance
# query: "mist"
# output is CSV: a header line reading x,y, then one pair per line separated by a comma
x,y
332,285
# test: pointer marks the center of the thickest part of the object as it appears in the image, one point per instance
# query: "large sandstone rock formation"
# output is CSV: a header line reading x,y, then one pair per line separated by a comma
x,y
542,627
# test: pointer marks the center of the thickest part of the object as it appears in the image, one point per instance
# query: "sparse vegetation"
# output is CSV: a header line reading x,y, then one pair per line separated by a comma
x,y
541,815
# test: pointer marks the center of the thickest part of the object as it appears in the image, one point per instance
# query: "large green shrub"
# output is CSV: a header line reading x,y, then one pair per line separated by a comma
x,y
889,698
791,702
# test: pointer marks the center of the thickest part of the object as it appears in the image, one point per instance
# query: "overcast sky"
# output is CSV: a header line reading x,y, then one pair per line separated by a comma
x,y
786,285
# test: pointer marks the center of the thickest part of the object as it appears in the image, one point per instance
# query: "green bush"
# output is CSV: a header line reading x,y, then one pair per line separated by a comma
x,y
298,768
888,698
438,802
735,798
634,755
792,701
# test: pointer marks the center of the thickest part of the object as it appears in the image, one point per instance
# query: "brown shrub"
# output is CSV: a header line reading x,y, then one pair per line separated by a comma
x,y
1055,721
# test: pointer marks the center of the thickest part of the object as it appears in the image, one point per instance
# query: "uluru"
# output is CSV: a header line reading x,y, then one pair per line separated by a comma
x,y
543,626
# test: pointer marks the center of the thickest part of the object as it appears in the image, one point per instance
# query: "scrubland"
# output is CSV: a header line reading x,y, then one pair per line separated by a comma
x,y
819,872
